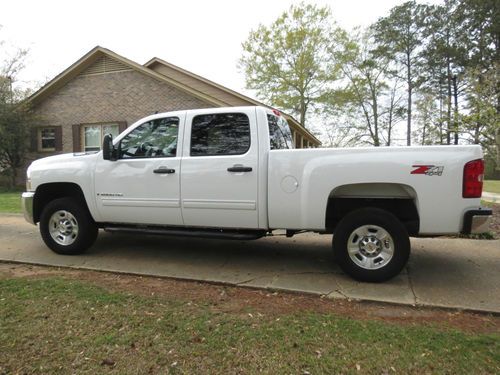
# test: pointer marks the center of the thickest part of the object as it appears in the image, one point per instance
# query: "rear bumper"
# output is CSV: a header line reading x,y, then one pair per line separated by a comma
x,y
27,203
477,221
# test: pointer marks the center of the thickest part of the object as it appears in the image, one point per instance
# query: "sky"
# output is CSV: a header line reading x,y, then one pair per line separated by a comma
x,y
203,37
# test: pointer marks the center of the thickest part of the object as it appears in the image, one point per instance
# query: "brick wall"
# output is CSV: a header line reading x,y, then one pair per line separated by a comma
x,y
110,97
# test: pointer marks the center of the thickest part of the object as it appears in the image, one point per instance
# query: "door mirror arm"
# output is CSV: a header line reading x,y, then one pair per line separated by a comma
x,y
109,151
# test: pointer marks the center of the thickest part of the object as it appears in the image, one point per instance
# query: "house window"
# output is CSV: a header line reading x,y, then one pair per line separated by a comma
x,y
93,135
47,139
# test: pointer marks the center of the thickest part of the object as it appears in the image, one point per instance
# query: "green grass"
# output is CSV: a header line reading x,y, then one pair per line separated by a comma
x,y
55,325
10,201
492,186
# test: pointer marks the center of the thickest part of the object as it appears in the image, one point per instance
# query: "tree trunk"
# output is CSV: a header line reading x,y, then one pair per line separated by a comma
x,y
423,133
476,133
376,141
408,124
477,129
440,123
389,129
455,109
13,178
448,108
497,147
303,109
497,131
448,85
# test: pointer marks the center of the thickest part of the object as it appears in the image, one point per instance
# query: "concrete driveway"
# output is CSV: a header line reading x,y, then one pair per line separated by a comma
x,y
455,273
491,197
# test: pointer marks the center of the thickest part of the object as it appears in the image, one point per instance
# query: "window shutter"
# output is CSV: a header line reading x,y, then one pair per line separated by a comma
x,y
122,126
58,135
76,138
34,140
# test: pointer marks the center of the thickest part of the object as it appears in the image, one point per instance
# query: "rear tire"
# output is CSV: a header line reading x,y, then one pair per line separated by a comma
x,y
371,244
67,227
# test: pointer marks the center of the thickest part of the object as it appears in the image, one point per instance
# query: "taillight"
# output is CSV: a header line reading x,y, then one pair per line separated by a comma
x,y
473,179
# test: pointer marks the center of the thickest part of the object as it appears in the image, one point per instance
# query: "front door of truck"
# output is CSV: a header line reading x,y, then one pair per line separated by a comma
x,y
220,169
143,185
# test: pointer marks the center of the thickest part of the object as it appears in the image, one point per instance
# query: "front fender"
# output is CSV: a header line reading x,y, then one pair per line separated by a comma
x,y
67,168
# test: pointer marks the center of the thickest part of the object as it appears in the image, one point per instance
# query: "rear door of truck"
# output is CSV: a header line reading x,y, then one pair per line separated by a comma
x,y
220,165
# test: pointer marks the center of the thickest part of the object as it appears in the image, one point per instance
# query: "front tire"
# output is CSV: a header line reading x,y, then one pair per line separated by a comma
x,y
67,227
371,244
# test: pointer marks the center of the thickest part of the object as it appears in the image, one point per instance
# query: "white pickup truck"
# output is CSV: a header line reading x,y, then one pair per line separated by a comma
x,y
233,173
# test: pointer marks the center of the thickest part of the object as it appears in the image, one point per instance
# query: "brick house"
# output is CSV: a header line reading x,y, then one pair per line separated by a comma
x,y
104,92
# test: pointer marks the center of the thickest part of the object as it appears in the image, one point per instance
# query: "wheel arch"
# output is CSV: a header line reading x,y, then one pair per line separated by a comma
x,y
399,199
46,193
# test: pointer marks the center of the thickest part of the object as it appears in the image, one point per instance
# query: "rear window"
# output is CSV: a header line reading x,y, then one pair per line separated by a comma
x,y
280,136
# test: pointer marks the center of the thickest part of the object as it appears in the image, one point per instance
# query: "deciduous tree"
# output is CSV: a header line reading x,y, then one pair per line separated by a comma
x,y
287,63
399,36
370,90
16,118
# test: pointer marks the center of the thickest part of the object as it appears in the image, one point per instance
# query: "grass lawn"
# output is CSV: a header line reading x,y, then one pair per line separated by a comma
x,y
55,325
10,201
492,186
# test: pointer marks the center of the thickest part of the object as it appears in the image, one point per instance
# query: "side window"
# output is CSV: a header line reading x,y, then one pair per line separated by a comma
x,y
276,137
279,133
220,134
153,139
285,130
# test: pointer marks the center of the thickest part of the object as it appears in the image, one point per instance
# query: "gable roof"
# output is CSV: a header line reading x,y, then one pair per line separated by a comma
x,y
222,93
193,84
202,81
92,57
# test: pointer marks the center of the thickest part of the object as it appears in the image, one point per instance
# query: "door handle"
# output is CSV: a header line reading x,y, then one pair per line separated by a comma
x,y
163,170
239,168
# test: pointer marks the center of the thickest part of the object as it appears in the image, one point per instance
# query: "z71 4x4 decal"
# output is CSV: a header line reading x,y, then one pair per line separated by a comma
x,y
429,170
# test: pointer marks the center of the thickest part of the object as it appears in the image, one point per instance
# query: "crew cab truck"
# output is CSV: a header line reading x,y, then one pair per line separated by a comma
x,y
233,173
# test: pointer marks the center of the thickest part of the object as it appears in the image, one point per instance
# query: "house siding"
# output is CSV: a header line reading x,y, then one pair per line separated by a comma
x,y
123,96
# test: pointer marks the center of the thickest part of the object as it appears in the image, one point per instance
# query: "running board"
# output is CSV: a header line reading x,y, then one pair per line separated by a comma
x,y
188,232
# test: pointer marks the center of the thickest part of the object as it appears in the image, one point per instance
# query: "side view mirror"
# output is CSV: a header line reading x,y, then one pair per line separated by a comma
x,y
108,150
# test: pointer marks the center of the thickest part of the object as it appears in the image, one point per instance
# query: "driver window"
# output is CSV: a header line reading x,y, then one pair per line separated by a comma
x,y
153,139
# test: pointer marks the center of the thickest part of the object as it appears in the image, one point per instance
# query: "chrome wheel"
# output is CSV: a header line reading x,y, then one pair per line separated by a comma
x,y
63,227
370,247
